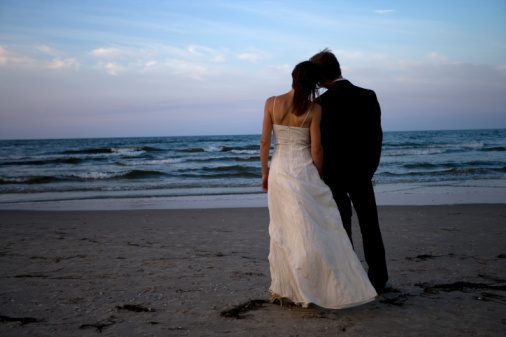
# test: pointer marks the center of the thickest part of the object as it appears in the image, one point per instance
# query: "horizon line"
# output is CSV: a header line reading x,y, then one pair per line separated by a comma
x,y
220,135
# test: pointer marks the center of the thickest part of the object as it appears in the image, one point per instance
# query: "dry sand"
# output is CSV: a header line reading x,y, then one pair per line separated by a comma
x,y
206,273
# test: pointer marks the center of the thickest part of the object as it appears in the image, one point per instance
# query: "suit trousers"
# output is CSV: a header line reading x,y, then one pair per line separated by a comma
x,y
361,194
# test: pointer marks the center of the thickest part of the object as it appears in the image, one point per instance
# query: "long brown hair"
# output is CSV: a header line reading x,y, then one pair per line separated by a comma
x,y
306,77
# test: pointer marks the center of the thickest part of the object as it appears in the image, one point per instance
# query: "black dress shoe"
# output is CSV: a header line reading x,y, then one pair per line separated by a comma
x,y
386,289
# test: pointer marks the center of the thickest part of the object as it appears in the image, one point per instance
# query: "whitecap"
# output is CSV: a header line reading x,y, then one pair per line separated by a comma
x,y
245,151
93,175
128,152
476,145
413,152
151,162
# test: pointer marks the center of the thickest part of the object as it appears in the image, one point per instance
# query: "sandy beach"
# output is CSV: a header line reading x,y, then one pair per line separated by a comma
x,y
204,272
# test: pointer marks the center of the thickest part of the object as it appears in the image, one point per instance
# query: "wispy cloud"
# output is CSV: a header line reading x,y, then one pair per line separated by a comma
x,y
111,53
113,69
249,57
438,58
195,50
192,70
9,57
384,11
150,64
209,54
283,70
218,58
48,50
283,13
193,61
58,63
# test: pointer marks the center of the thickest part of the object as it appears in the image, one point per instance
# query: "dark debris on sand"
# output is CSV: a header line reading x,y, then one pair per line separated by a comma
x,y
135,307
397,300
458,286
22,320
425,257
99,326
238,312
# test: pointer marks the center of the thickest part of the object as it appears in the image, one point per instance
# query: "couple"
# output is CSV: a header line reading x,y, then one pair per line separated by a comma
x,y
336,137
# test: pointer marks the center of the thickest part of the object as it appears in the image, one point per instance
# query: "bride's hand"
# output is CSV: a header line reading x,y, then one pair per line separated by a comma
x,y
265,183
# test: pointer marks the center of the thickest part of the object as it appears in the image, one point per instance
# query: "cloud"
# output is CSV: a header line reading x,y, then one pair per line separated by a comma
x,y
58,63
342,54
204,52
190,60
249,57
8,57
384,11
437,58
113,69
194,50
111,53
194,61
218,58
48,50
184,68
283,70
120,60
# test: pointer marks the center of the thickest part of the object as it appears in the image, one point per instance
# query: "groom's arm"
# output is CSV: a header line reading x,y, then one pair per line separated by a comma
x,y
375,133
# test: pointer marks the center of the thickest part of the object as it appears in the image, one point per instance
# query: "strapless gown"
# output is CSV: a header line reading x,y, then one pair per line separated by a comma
x,y
311,257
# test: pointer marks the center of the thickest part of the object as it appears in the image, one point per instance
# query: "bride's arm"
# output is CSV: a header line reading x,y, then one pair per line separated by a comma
x,y
316,142
265,144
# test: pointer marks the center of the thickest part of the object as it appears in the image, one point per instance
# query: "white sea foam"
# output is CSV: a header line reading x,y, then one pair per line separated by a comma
x,y
412,152
245,151
476,145
128,152
93,175
151,162
15,180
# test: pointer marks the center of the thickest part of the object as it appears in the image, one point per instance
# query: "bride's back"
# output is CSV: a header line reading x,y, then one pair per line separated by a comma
x,y
283,115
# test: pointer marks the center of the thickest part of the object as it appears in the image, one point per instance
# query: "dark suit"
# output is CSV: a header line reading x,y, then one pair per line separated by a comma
x,y
351,139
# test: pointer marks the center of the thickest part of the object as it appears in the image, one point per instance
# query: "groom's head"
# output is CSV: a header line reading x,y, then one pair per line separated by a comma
x,y
329,64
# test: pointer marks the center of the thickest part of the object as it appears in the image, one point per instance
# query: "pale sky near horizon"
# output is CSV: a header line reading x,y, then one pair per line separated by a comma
x,y
71,69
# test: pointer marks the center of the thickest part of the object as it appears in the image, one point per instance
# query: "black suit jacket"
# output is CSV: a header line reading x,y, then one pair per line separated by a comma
x,y
351,132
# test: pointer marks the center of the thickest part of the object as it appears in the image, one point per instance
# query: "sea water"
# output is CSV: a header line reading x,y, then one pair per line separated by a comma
x,y
98,168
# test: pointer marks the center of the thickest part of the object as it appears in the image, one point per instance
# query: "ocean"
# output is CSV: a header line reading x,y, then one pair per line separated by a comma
x,y
102,168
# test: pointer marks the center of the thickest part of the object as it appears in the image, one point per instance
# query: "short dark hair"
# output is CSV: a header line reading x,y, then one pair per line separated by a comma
x,y
331,69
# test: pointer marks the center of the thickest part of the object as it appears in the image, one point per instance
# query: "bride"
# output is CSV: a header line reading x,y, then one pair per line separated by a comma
x,y
311,258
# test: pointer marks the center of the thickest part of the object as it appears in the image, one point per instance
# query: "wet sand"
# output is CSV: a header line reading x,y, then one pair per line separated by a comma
x,y
205,273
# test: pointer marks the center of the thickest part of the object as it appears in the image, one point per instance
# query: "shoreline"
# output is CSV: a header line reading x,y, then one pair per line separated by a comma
x,y
205,272
491,191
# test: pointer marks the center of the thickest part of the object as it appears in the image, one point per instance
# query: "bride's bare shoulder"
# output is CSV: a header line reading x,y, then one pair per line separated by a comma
x,y
269,101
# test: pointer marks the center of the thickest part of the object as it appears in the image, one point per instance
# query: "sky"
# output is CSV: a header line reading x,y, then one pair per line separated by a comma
x,y
78,69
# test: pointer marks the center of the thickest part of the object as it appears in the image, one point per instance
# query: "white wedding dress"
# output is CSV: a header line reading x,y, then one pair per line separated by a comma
x,y
311,258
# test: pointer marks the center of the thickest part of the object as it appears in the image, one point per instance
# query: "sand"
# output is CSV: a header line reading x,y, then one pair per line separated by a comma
x,y
205,273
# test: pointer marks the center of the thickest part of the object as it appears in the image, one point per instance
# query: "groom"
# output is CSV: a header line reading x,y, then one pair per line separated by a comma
x,y
351,137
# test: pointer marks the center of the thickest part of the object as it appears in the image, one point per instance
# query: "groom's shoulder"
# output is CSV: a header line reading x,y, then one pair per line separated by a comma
x,y
347,88
361,89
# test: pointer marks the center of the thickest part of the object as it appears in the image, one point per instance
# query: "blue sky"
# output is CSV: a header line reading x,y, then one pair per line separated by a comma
x,y
170,68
